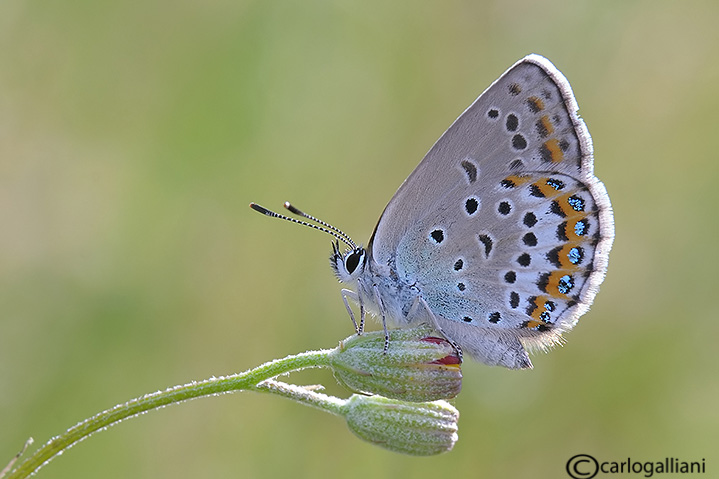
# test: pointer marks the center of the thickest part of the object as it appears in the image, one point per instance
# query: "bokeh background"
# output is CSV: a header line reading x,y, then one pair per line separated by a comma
x,y
133,135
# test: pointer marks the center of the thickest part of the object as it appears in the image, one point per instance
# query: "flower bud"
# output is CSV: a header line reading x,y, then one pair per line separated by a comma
x,y
417,367
419,429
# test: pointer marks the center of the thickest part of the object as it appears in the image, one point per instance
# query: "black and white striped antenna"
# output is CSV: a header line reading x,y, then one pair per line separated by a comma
x,y
321,225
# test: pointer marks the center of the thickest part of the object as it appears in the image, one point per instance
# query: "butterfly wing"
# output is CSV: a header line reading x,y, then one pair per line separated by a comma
x,y
503,227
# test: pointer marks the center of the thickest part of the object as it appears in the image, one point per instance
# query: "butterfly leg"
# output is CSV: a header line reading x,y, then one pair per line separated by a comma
x,y
380,304
419,301
348,293
362,314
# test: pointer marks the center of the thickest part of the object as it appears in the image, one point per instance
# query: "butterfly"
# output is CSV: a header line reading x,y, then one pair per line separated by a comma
x,y
500,237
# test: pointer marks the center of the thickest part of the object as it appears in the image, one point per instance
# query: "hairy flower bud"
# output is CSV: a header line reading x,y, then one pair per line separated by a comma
x,y
420,429
417,366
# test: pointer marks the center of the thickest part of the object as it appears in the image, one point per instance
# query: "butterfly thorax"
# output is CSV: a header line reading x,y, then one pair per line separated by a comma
x,y
398,295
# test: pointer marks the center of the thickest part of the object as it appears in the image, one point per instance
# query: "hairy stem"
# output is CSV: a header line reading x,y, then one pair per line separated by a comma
x,y
248,380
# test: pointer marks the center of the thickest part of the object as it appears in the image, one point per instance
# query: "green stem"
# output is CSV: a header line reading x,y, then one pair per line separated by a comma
x,y
304,395
248,380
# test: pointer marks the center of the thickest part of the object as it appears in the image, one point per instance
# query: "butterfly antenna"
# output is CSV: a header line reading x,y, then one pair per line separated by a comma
x,y
326,228
341,233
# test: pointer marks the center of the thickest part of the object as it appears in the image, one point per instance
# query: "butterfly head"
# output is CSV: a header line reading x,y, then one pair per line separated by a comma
x,y
347,265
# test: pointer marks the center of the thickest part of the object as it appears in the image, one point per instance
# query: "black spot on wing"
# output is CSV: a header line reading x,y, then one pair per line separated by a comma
x,y
487,243
470,169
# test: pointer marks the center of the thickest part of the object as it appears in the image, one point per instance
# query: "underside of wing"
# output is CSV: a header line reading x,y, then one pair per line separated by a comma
x,y
503,226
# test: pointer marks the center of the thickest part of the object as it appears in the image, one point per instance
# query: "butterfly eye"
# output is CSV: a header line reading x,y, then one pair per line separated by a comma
x,y
353,260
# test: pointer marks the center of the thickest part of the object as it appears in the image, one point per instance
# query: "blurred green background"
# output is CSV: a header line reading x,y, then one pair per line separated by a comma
x,y
133,135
